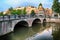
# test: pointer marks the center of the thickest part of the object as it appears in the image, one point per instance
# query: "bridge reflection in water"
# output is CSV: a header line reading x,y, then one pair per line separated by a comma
x,y
36,32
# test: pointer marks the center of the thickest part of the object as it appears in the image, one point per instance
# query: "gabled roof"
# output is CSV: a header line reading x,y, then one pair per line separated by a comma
x,y
41,8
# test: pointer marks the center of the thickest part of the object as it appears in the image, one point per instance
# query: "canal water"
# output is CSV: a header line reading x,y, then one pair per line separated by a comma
x,y
46,31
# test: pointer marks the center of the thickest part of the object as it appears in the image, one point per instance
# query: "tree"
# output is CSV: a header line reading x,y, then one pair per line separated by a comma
x,y
59,6
55,6
24,11
13,12
32,13
56,35
19,12
40,4
1,13
11,8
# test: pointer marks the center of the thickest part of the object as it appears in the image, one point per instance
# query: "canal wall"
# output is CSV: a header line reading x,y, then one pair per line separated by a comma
x,y
5,27
52,20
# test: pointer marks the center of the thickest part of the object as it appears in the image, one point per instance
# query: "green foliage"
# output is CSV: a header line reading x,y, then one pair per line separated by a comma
x,y
56,35
32,13
55,6
1,13
13,12
40,4
16,12
11,8
24,11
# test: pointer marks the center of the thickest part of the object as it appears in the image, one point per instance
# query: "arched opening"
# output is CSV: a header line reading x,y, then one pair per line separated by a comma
x,y
44,20
36,21
20,25
36,27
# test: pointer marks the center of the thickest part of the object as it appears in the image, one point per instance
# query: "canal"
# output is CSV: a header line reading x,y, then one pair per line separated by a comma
x,y
46,31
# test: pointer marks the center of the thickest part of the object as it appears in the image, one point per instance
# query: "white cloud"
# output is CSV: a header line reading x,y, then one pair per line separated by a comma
x,y
12,2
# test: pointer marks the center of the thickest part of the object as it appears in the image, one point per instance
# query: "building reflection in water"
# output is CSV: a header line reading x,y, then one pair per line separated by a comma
x,y
44,33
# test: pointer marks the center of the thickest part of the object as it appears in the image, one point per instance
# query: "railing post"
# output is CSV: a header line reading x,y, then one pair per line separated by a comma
x,y
8,17
15,17
3,17
29,16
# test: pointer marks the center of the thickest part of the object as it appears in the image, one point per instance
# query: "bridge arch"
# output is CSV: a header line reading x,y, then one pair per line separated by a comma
x,y
37,20
20,24
44,20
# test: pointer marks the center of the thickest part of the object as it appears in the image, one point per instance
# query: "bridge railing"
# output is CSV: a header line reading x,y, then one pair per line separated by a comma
x,y
14,17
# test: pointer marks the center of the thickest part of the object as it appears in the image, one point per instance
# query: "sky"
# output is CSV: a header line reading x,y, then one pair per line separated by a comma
x,y
5,4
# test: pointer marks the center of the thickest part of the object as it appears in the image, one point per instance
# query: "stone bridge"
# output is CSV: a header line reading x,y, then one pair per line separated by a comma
x,y
8,23
27,22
